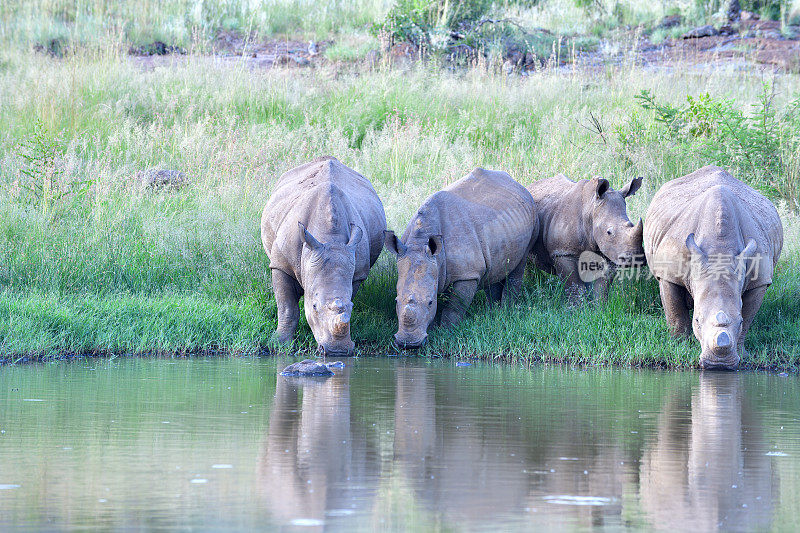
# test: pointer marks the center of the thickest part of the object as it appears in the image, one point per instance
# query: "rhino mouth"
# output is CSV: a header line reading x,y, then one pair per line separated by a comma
x,y
711,363
629,261
335,352
410,344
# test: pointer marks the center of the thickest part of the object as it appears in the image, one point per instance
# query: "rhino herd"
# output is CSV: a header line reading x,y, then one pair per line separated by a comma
x,y
710,240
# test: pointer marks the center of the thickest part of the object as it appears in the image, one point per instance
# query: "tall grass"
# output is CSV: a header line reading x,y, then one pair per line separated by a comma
x,y
119,269
180,21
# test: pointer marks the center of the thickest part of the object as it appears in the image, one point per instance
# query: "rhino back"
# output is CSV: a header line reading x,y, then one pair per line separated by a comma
x,y
723,213
327,196
559,204
487,221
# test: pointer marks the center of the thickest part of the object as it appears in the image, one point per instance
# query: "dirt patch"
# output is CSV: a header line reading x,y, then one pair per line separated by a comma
x,y
256,53
752,42
273,52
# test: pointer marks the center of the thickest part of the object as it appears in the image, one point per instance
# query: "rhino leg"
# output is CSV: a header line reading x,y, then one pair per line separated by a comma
x,y
461,295
495,292
751,303
287,297
513,285
674,298
356,286
602,287
566,268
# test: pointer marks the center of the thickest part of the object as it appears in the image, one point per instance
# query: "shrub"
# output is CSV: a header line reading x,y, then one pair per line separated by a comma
x,y
415,20
760,146
41,176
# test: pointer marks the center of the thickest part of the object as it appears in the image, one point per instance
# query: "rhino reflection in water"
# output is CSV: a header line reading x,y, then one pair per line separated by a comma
x,y
709,472
451,461
462,469
475,466
314,459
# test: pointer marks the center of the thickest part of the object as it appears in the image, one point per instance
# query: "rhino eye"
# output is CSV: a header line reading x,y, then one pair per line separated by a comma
x,y
430,303
610,231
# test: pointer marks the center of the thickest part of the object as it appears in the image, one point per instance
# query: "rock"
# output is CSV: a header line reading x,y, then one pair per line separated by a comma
x,y
531,61
58,47
157,178
703,31
301,61
734,12
516,57
307,367
461,52
403,54
156,48
746,16
670,21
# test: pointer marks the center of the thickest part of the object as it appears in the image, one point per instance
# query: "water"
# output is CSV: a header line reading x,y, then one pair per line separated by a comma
x,y
394,444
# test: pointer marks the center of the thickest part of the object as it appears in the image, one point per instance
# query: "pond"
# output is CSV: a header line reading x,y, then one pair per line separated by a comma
x,y
396,443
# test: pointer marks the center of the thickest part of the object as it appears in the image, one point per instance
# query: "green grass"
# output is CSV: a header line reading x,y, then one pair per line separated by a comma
x,y
110,269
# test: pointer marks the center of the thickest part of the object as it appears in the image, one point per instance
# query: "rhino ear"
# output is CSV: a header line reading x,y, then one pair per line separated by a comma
x,y
434,244
748,251
355,236
393,244
601,186
631,188
746,255
696,252
309,239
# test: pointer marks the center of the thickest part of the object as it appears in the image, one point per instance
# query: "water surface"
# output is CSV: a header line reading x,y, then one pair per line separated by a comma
x,y
396,444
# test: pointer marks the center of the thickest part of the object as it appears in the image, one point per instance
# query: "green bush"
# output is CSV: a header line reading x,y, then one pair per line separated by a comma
x,y
761,146
415,20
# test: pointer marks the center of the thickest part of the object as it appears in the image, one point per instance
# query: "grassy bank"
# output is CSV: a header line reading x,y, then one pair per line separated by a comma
x,y
88,263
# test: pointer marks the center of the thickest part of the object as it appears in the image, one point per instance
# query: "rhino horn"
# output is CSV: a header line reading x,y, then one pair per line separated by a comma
x,y
638,231
407,316
341,325
309,239
722,340
721,319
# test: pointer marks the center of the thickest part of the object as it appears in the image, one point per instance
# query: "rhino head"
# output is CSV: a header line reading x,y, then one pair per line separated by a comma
x,y
717,284
615,235
327,270
418,272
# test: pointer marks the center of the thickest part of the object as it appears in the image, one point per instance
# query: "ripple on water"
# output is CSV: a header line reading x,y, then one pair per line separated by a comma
x,y
339,512
309,522
8,486
566,499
